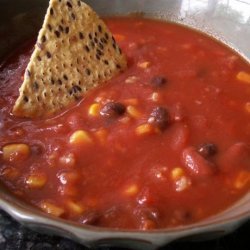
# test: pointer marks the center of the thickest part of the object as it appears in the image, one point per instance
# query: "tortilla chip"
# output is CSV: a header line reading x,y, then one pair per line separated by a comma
x,y
74,52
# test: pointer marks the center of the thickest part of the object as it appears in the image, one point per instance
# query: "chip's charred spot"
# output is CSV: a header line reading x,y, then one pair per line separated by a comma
x,y
43,39
73,16
100,46
35,86
28,73
48,54
69,4
67,30
57,33
106,36
26,99
49,27
75,89
100,28
81,35
88,72
51,11
87,48
113,109
60,28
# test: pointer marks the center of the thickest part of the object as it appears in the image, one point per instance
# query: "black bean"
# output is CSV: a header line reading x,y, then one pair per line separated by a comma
x,y
158,81
207,149
113,109
160,118
37,149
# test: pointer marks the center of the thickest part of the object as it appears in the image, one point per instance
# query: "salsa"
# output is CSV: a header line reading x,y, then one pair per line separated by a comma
x,y
165,143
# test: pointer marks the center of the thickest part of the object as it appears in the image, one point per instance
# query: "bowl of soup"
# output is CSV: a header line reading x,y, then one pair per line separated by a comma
x,y
159,152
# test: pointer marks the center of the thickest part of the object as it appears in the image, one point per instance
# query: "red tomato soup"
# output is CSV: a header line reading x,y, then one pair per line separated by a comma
x,y
165,143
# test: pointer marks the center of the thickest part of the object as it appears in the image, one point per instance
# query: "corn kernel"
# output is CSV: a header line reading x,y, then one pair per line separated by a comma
x,y
155,97
75,207
247,107
133,112
177,173
143,65
182,184
131,190
80,137
242,180
131,79
50,208
131,101
144,129
94,109
36,180
243,76
16,152
102,135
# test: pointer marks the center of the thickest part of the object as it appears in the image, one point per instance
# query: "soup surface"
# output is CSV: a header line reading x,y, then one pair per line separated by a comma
x,y
165,143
